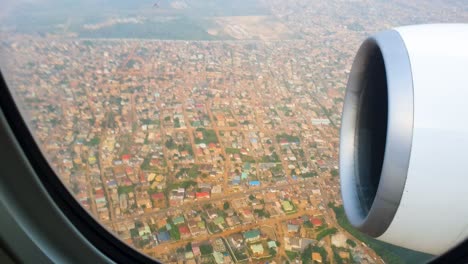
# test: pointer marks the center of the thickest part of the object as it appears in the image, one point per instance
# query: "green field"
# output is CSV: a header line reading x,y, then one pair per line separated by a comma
x,y
174,29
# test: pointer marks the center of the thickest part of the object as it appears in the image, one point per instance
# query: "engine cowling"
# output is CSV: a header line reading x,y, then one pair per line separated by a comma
x,y
404,137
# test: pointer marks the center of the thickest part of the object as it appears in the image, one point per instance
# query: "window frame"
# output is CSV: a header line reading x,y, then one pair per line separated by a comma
x,y
62,229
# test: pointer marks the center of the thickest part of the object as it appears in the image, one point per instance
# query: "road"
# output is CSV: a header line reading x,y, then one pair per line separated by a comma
x,y
227,159
168,247
276,222
191,204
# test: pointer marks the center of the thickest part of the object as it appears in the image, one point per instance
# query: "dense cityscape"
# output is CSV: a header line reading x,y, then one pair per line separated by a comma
x,y
207,151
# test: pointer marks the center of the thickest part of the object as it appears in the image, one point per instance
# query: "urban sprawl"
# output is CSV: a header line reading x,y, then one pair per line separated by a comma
x,y
200,151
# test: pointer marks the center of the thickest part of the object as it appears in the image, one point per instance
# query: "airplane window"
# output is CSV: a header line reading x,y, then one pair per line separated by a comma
x,y
203,131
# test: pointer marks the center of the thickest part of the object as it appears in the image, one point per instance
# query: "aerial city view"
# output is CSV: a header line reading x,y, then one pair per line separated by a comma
x,y
203,131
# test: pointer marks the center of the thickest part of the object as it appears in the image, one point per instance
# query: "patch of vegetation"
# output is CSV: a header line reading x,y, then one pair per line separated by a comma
x,y
289,138
184,184
153,191
213,228
247,158
308,224
188,247
232,151
271,158
125,189
206,249
277,168
170,144
326,232
192,172
147,121
336,256
351,243
145,165
240,255
185,147
291,254
174,29
131,63
389,253
309,174
93,142
174,232
334,172
306,255
286,111
176,122
262,213
272,252
209,136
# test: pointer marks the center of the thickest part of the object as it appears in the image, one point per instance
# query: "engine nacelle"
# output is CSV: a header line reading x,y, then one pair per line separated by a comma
x,y
404,137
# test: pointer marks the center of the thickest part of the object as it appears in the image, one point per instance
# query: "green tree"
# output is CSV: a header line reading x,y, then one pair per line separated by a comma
x,y
272,252
206,249
306,255
174,232
170,144
350,242
93,142
326,232
334,172
188,247
291,254
308,224
176,122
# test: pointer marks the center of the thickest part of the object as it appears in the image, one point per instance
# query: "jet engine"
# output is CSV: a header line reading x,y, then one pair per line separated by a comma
x,y
404,137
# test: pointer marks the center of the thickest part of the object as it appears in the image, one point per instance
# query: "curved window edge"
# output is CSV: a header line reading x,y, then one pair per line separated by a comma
x,y
25,157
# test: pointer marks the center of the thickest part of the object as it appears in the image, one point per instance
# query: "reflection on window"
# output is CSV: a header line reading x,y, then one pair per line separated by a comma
x,y
202,131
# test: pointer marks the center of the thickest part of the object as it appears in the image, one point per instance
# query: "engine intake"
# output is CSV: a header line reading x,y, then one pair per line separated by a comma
x,y
402,97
